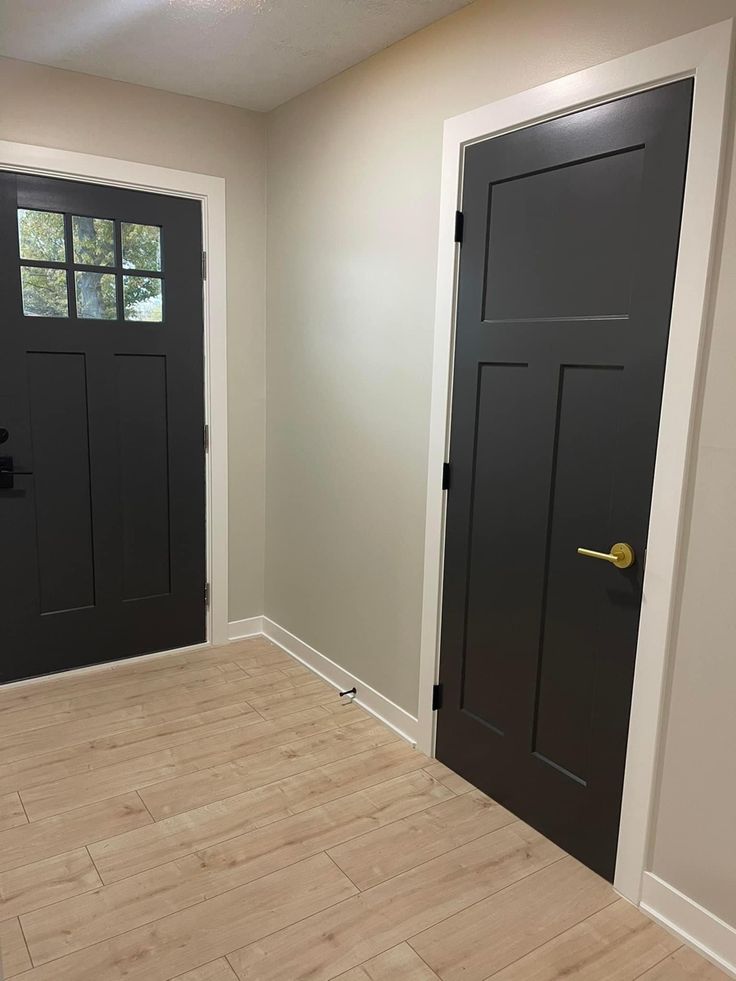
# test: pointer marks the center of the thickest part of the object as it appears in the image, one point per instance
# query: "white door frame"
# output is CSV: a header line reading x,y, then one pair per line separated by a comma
x,y
706,55
210,191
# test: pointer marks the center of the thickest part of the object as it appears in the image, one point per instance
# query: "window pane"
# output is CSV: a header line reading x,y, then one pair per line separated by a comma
x,y
94,241
44,292
41,235
142,298
96,298
141,247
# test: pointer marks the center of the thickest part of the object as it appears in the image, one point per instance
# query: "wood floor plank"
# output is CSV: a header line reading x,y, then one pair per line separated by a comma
x,y
276,705
218,970
253,660
329,943
109,750
325,783
47,799
398,964
35,886
183,834
481,940
684,965
107,687
55,695
331,742
231,669
107,912
150,707
29,720
53,687
448,777
405,844
293,670
207,688
617,944
19,745
159,710
200,934
74,829
172,838
14,957
11,811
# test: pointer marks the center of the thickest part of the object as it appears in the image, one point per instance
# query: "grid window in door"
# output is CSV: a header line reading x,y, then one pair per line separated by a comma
x,y
89,267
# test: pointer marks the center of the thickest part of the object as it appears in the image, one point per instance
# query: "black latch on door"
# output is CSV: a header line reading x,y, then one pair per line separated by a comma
x,y
7,474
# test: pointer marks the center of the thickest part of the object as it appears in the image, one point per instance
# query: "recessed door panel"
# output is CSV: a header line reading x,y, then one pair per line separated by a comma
x,y
586,481
144,475
500,577
57,385
533,272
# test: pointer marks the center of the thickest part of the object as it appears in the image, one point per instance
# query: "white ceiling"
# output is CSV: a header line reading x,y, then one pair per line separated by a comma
x,y
250,53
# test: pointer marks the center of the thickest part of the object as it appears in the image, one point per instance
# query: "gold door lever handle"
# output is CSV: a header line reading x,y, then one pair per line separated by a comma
x,y
621,555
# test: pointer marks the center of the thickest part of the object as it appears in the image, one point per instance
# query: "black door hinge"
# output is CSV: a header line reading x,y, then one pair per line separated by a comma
x,y
207,594
445,476
204,264
206,438
436,697
459,224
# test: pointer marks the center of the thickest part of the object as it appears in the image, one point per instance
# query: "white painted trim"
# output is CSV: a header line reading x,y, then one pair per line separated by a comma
x,y
706,55
690,921
371,700
49,162
239,629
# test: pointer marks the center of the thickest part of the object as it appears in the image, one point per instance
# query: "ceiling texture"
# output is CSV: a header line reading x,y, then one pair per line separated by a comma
x,y
250,53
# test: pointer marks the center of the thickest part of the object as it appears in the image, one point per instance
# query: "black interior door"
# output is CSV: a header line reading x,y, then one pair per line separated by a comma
x,y
565,288
102,476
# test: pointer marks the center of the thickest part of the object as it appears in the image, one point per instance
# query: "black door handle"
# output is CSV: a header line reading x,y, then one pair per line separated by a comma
x,y
7,473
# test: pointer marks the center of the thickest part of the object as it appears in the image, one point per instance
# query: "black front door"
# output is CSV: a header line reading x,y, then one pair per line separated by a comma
x,y
565,288
102,478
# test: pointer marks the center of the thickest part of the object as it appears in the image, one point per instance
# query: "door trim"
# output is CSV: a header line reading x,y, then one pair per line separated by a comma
x,y
705,55
210,191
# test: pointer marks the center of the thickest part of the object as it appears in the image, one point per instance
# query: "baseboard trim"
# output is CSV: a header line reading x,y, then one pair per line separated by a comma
x,y
695,925
238,629
372,701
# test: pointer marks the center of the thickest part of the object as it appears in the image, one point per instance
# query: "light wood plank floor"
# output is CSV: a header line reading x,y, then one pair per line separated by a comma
x,y
219,815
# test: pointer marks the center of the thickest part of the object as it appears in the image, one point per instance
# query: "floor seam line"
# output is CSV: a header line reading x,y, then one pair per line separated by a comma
x,y
449,852
663,959
25,941
138,795
269,824
129,759
259,786
550,940
199,902
177,776
428,965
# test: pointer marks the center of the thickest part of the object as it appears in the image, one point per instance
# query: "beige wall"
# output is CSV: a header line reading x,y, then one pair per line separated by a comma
x,y
353,191
64,109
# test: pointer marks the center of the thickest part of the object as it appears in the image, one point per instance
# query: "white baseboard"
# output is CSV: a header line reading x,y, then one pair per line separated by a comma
x,y
695,925
371,700
238,629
